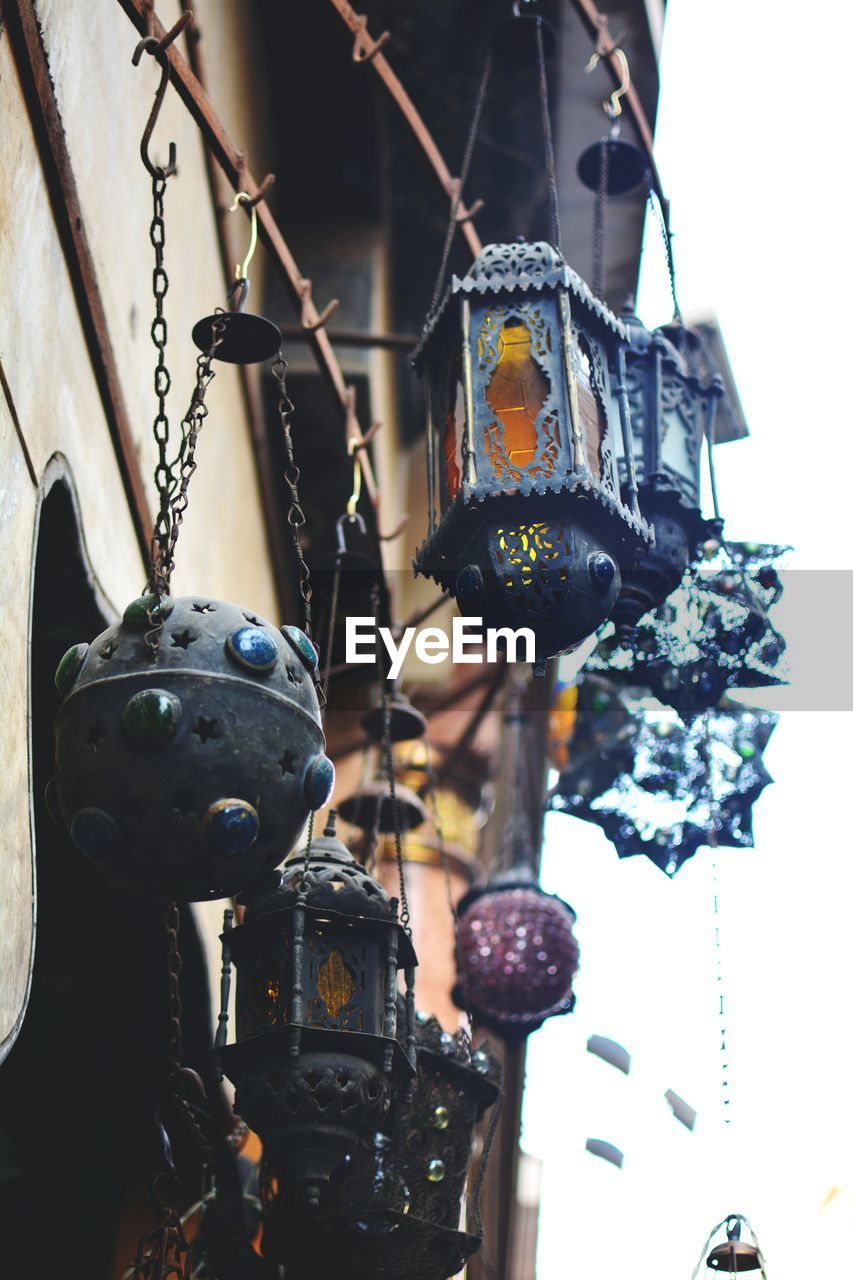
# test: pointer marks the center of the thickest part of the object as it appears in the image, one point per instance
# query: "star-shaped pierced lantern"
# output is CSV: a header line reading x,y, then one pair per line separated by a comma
x,y
672,412
522,420
317,1047
186,770
712,634
684,785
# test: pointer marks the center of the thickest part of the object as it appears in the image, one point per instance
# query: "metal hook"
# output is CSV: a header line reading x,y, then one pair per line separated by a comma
x,y
241,271
613,105
365,48
157,48
312,324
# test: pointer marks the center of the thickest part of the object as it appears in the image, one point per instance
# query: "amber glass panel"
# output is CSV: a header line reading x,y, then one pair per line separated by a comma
x,y
335,983
453,429
516,392
266,993
591,409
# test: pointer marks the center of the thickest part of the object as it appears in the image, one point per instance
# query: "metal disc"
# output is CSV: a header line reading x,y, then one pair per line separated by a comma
x,y
734,1255
247,339
627,167
514,42
405,723
370,809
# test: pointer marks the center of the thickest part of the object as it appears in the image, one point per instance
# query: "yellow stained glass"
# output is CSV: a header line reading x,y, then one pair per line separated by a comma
x,y
516,393
335,983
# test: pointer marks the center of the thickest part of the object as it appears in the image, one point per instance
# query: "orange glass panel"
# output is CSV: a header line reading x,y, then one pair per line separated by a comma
x,y
516,393
453,429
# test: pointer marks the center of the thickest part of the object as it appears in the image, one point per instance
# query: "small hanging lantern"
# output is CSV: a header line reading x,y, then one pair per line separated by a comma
x,y
672,412
317,958
521,438
188,776
397,1212
516,955
736,1254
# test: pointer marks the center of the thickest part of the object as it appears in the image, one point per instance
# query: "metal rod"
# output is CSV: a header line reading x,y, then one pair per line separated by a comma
x,y
297,990
389,1029
357,27
34,70
233,163
224,981
469,465
654,420
717,391
627,437
578,460
355,338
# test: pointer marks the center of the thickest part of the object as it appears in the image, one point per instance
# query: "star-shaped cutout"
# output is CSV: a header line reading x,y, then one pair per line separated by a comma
x,y
108,650
183,639
293,677
287,763
203,608
94,736
250,617
205,729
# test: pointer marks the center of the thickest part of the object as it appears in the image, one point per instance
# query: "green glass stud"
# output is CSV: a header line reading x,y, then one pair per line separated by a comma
x,y
435,1171
600,703
136,613
151,717
69,666
746,750
440,1118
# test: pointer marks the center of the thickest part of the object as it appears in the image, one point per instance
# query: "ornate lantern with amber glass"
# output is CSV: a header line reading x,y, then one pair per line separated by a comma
x,y
522,420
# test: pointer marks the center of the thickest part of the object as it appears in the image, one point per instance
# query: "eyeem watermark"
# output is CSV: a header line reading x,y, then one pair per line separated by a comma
x,y
433,645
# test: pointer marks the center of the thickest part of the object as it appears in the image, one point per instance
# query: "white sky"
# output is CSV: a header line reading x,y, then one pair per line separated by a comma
x,y
753,144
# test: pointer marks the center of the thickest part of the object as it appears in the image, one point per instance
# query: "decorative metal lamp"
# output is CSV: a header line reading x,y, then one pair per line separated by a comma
x,y
672,412
189,775
736,1254
713,633
521,443
668,788
317,1043
397,1211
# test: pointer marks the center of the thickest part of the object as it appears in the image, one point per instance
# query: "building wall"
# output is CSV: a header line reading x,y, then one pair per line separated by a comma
x,y
51,405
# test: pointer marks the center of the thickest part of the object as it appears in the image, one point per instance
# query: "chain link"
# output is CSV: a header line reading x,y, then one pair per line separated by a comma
x,y
164,476
600,220
388,769
178,1074
295,514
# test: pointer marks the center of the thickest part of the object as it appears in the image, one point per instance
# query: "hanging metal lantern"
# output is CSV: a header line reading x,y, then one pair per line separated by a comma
x,y
657,786
316,1046
189,751
672,412
713,633
522,419
736,1254
516,955
397,1212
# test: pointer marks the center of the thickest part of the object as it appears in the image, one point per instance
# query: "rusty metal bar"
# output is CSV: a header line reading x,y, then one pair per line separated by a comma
x,y
31,60
356,338
276,532
233,164
365,51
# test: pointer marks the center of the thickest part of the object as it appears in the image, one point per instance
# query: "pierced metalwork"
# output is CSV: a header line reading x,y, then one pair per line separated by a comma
x,y
713,633
660,787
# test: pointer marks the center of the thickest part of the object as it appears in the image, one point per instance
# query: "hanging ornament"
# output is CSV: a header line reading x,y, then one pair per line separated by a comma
x,y
613,165
317,957
521,423
245,338
516,954
189,751
671,413
396,1212
736,1254
713,633
668,787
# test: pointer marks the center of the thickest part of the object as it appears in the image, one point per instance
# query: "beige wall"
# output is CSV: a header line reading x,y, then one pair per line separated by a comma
x,y
104,102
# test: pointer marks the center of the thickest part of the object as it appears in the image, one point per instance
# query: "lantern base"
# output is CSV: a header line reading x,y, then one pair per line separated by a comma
x,y
734,1255
383,1245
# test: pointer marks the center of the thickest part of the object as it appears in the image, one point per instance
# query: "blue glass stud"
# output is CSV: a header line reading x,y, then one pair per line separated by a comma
x,y
231,826
319,781
95,833
151,717
602,569
69,666
302,645
253,648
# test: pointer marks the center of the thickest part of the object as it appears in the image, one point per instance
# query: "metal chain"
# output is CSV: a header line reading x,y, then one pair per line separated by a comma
x,y
480,1176
550,167
455,202
295,515
177,1072
164,476
656,202
600,220
390,777
725,1060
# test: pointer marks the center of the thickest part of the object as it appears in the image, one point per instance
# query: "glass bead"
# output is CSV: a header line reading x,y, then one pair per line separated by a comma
x,y
302,645
253,648
137,612
231,826
480,1061
440,1118
319,781
435,1171
151,717
69,666
95,833
448,1044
